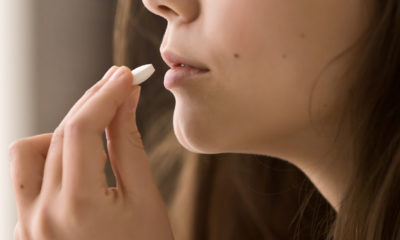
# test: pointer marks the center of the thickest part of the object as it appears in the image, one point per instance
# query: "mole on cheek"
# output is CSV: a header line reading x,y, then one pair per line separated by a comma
x,y
236,55
21,186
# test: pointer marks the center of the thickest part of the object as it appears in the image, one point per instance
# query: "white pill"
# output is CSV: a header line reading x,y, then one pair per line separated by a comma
x,y
142,73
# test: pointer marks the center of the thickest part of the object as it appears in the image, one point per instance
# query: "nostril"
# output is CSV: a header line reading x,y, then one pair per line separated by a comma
x,y
165,9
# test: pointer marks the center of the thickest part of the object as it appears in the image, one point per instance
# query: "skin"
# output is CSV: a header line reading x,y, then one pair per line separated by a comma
x,y
58,178
268,62
264,56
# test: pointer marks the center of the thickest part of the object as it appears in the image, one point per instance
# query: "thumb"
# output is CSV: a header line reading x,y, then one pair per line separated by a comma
x,y
127,155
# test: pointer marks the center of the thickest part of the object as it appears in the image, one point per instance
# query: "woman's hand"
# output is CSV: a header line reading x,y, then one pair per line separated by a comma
x,y
59,181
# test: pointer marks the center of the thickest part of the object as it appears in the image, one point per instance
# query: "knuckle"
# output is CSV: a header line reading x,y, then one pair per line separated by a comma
x,y
88,92
42,226
17,148
92,90
77,205
58,135
20,232
74,213
75,126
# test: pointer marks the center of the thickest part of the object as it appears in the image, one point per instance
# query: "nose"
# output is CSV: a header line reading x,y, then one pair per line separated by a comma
x,y
174,10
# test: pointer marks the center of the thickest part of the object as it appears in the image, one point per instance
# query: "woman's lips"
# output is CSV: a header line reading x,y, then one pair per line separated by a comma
x,y
182,69
174,60
179,74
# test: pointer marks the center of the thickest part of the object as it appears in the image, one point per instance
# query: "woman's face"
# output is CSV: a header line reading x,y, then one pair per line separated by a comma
x,y
264,57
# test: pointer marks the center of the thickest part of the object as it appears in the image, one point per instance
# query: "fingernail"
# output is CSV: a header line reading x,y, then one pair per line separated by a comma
x,y
110,71
133,99
120,73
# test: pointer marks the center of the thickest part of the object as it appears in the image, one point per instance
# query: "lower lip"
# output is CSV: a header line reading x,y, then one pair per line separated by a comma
x,y
178,75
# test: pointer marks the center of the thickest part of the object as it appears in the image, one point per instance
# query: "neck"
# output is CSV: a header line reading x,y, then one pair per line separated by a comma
x,y
323,154
331,175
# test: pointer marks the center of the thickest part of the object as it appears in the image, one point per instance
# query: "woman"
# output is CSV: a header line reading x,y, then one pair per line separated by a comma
x,y
315,84
196,186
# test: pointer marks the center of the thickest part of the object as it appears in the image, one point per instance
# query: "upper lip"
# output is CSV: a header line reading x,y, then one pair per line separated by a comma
x,y
174,60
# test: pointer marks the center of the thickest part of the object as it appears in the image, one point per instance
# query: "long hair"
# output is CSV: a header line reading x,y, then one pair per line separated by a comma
x,y
370,208
237,196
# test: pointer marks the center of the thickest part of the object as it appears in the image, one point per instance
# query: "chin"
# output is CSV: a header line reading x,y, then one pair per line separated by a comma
x,y
193,136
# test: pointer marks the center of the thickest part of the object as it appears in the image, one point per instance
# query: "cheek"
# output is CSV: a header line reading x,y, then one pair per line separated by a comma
x,y
265,58
250,89
228,35
231,120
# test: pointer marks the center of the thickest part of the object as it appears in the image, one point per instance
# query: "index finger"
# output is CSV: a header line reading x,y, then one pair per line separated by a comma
x,y
83,165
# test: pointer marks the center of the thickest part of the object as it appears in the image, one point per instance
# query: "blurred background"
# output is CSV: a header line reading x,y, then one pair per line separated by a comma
x,y
50,53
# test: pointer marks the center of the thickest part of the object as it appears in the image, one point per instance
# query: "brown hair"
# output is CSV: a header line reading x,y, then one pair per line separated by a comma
x,y
370,208
237,196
